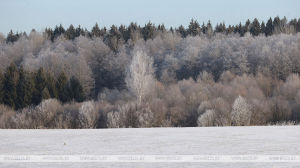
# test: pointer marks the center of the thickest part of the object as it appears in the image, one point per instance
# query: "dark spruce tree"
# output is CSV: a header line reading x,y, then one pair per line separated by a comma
x,y
240,29
171,29
70,34
230,29
263,27
10,85
245,28
73,91
203,28
55,33
276,22
45,94
269,27
148,31
40,84
208,26
48,34
162,28
293,22
255,28
79,31
182,31
51,85
128,34
61,29
122,31
114,38
194,28
96,31
60,84
25,89
11,37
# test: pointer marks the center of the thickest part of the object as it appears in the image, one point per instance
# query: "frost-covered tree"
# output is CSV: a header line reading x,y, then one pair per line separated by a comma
x,y
241,112
88,116
207,119
113,119
140,75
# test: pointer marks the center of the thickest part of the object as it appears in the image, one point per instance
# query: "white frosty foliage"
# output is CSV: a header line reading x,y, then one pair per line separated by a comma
x,y
139,78
88,115
207,119
145,117
240,114
113,119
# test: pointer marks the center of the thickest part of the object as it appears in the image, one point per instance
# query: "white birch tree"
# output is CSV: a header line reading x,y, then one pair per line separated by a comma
x,y
139,79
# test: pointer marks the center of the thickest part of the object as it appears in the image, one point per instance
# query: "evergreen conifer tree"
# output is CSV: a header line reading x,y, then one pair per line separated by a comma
x,y
255,27
71,33
276,22
203,27
263,27
10,85
182,31
11,37
60,84
148,31
96,31
55,33
25,89
61,29
79,31
51,85
194,28
45,94
269,27
73,91
208,25
40,84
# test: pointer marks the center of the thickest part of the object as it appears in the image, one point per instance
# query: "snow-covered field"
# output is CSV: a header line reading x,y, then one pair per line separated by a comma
x,y
265,140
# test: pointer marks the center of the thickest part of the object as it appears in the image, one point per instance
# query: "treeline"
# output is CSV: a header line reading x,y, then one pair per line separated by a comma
x,y
214,78
116,35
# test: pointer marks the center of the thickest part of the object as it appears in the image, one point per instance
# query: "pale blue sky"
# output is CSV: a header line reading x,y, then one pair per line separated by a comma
x,y
24,15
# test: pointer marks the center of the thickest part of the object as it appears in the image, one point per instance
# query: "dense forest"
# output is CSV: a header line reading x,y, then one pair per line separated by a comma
x,y
133,76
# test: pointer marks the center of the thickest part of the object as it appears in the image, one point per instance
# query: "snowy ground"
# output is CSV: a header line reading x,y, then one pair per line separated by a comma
x,y
266,140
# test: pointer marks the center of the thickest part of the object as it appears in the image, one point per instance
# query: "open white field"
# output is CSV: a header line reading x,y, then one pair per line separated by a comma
x,y
265,140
